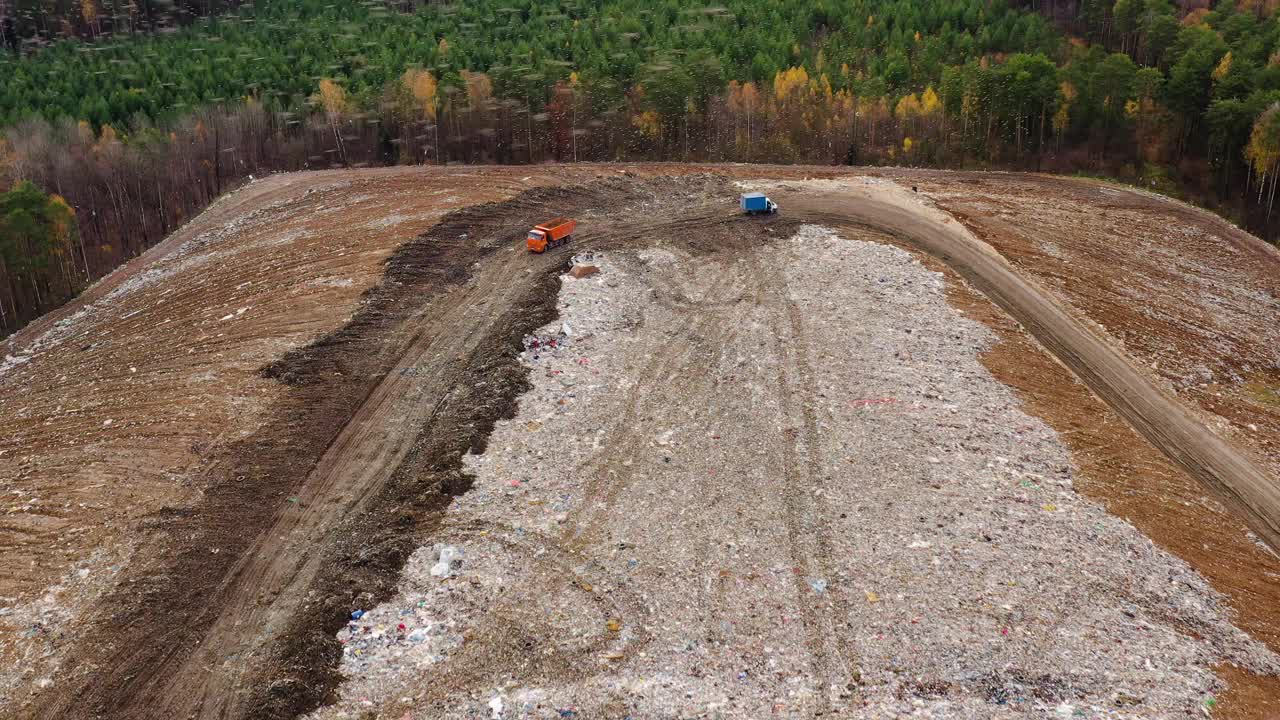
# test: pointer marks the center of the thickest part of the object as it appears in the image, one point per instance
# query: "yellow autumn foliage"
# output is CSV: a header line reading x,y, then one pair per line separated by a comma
x,y
908,106
788,81
1061,118
929,102
479,89
648,123
422,85
1224,67
1263,150
332,98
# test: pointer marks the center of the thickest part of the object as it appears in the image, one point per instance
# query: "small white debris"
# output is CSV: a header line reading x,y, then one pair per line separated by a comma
x,y
448,562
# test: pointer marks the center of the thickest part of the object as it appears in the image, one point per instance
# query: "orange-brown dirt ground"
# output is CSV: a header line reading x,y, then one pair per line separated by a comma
x,y
112,408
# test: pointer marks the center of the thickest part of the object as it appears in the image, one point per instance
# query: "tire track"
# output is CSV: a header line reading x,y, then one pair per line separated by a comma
x,y
512,628
806,513
614,471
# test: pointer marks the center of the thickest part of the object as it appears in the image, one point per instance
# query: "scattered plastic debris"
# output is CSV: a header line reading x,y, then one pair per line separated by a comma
x,y
448,562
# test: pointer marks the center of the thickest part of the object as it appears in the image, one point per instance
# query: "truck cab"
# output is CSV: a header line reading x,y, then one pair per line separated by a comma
x,y
537,240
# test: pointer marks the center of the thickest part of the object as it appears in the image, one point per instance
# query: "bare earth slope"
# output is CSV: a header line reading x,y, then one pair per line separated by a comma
x,y
199,500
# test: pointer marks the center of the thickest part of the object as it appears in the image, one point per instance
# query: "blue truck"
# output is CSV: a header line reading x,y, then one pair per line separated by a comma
x,y
756,203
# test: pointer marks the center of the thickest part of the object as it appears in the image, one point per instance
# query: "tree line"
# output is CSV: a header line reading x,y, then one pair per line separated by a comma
x,y
137,133
30,24
37,249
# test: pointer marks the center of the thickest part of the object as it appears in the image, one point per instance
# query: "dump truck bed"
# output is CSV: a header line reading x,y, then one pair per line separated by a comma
x,y
551,226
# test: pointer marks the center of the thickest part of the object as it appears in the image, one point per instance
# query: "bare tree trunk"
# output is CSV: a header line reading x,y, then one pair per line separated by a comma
x,y
1040,145
4,320
83,257
164,220
686,137
1271,199
337,137
217,156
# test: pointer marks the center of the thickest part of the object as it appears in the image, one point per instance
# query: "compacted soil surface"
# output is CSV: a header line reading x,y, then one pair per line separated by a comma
x,y
1003,446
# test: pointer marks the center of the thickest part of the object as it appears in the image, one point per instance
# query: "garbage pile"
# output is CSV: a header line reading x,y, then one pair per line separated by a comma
x,y
783,485
535,346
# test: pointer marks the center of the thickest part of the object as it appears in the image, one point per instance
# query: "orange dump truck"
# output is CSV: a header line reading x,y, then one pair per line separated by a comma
x,y
551,233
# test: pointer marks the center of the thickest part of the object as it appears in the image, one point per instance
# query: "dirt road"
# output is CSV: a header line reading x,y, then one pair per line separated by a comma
x,y
1237,478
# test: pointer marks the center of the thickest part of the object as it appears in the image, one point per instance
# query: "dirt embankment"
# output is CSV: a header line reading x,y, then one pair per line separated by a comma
x,y
1192,299
116,408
